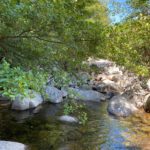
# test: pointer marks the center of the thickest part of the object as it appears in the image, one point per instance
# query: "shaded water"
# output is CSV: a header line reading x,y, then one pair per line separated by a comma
x,y
42,131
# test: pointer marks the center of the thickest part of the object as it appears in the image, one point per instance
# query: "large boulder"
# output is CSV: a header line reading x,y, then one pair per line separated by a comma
x,y
31,101
86,95
7,145
54,95
147,103
67,118
120,106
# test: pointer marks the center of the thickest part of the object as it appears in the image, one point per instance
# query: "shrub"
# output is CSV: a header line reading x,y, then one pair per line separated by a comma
x,y
14,81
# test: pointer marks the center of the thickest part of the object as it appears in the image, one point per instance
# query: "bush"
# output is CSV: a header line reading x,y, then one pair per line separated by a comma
x,y
14,81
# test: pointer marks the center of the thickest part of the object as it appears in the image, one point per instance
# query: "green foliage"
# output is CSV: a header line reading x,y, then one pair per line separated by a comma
x,y
73,107
61,78
83,118
139,6
15,81
43,35
128,44
68,109
38,33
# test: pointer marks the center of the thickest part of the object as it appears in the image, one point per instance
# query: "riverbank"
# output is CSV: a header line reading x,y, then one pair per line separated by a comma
x,y
110,90
106,81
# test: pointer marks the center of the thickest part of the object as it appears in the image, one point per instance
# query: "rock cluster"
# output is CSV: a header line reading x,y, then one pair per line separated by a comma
x,y
124,88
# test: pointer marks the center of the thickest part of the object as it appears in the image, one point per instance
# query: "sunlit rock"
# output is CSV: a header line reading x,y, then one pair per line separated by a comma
x,y
31,101
120,106
87,95
7,145
67,118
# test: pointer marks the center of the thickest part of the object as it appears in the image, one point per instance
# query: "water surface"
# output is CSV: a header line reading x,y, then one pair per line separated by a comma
x,y
43,131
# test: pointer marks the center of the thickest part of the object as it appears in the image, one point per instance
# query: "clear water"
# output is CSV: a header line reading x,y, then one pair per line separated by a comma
x,y
43,131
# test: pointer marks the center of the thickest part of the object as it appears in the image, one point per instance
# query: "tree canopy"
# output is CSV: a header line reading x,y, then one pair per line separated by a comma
x,y
139,6
39,35
37,32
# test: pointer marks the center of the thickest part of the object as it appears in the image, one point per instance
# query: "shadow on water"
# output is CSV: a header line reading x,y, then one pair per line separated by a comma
x,y
41,130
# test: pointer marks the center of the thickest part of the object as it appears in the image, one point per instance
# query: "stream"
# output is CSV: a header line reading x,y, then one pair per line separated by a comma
x,y
41,130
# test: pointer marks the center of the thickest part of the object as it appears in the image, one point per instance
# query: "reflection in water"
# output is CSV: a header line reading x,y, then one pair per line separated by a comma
x,y
42,131
139,126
